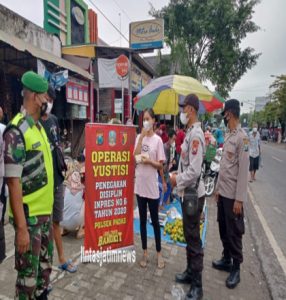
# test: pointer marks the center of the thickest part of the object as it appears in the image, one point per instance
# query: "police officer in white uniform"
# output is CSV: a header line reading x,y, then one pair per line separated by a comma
x,y
188,175
231,193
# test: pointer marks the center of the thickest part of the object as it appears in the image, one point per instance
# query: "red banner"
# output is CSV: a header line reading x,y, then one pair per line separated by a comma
x,y
109,181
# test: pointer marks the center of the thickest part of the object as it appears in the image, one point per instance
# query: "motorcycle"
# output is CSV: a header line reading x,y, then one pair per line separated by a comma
x,y
211,174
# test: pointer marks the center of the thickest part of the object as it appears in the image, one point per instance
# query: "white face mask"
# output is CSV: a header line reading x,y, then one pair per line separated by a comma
x,y
183,118
147,125
23,111
49,108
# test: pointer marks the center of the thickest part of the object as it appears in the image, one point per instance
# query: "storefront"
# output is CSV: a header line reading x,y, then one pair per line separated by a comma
x,y
17,57
108,87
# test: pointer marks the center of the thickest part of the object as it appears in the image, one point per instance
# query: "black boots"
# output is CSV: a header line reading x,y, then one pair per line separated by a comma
x,y
234,277
43,296
196,290
185,277
223,264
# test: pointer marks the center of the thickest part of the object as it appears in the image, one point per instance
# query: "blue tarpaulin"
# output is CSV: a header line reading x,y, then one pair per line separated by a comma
x,y
167,238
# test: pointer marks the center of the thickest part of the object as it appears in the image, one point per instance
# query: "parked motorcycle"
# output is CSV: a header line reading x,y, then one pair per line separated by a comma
x,y
211,174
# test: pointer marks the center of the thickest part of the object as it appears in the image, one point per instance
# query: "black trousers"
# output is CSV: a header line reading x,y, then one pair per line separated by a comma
x,y
231,229
194,249
154,213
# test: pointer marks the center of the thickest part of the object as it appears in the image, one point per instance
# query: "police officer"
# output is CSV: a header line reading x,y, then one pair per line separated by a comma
x,y
29,174
231,193
189,172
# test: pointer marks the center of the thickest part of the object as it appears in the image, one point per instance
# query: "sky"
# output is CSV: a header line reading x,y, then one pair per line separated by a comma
x,y
270,40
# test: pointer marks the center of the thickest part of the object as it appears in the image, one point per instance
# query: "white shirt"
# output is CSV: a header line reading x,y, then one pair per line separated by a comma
x,y
254,144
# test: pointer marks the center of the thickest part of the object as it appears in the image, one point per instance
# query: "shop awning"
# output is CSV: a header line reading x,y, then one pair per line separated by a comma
x,y
41,54
82,50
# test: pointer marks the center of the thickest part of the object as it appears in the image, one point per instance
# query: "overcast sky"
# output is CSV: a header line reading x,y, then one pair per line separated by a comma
x,y
270,40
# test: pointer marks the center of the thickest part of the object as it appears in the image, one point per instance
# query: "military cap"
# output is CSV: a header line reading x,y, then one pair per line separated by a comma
x,y
232,105
191,100
34,82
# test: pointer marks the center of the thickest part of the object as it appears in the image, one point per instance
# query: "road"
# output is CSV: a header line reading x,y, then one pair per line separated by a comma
x,y
270,191
267,216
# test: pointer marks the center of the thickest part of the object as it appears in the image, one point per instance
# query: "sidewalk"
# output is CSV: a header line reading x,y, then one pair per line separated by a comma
x,y
129,281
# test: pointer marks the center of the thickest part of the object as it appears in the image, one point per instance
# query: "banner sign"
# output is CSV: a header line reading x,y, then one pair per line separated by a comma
x,y
146,34
109,181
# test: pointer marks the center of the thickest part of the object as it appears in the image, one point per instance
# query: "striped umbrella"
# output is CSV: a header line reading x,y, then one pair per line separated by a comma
x,y
165,93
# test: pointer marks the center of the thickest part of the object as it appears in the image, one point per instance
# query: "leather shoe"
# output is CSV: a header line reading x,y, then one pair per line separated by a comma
x,y
233,279
223,264
195,293
185,277
196,290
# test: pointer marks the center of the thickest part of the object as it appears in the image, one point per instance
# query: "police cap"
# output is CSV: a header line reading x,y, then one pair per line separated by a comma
x,y
191,100
232,105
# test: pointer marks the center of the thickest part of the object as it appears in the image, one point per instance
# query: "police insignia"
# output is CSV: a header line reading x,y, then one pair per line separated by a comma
x,y
195,147
245,144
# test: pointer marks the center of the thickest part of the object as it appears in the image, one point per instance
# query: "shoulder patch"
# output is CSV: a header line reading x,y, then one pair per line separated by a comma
x,y
195,146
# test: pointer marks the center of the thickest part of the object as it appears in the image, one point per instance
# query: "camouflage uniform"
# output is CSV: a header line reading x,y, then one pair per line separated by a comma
x,y
34,267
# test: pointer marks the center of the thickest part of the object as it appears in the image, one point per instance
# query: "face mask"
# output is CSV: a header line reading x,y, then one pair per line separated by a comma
x,y
44,108
226,120
183,118
23,111
49,108
147,125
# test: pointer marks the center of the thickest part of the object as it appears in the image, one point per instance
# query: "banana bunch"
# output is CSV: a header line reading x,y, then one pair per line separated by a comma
x,y
175,230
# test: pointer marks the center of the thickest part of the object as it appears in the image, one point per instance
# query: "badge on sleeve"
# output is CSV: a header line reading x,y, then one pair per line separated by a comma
x,y
245,144
195,146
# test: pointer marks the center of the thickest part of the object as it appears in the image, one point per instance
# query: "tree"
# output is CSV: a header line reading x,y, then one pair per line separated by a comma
x,y
205,37
279,96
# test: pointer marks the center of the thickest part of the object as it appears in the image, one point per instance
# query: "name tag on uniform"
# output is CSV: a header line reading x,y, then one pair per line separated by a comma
x,y
37,145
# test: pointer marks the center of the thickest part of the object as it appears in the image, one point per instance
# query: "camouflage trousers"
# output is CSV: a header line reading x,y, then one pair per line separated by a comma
x,y
34,267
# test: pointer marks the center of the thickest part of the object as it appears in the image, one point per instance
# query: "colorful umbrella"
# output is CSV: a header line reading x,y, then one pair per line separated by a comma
x,y
165,93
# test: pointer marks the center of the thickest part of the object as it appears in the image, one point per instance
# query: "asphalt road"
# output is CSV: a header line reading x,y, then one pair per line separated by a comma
x,y
270,191
266,214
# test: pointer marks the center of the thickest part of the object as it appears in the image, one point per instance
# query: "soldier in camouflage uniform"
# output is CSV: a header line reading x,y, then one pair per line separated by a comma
x,y
29,173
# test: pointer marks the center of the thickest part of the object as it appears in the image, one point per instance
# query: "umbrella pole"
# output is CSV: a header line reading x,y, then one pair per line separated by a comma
x,y
175,121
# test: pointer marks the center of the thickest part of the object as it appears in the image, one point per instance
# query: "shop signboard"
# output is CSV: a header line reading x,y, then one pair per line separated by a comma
x,y
146,34
118,106
109,180
77,91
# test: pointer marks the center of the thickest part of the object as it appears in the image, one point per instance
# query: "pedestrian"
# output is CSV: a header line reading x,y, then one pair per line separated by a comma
x,y
219,138
150,147
29,174
254,153
2,233
164,134
51,126
180,136
2,123
231,193
189,175
169,165
208,135
73,217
